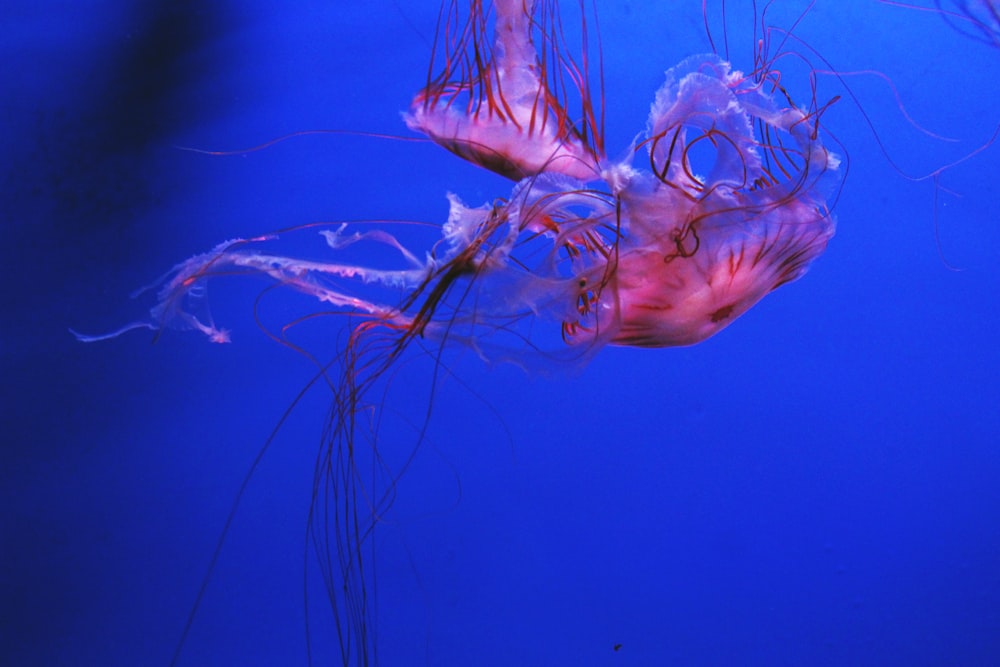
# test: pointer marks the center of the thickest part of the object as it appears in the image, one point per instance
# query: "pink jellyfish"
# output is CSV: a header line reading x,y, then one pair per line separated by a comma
x,y
664,248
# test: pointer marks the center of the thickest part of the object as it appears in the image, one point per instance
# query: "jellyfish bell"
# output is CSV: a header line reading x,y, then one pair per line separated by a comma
x,y
698,251
498,104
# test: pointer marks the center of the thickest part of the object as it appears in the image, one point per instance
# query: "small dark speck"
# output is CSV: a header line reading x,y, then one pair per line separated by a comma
x,y
722,313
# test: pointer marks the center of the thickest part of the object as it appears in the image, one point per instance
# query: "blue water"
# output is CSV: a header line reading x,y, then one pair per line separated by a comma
x,y
816,485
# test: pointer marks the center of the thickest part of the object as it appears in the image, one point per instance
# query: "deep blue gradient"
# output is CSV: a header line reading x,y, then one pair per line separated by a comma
x,y
816,485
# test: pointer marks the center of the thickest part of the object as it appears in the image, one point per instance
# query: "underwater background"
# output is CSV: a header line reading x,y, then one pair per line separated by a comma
x,y
815,485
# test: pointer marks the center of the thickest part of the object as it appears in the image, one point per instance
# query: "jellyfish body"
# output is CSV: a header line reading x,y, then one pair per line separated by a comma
x,y
664,248
655,257
698,251
497,104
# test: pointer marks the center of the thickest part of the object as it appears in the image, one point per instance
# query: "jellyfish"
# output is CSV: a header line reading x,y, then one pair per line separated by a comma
x,y
722,198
